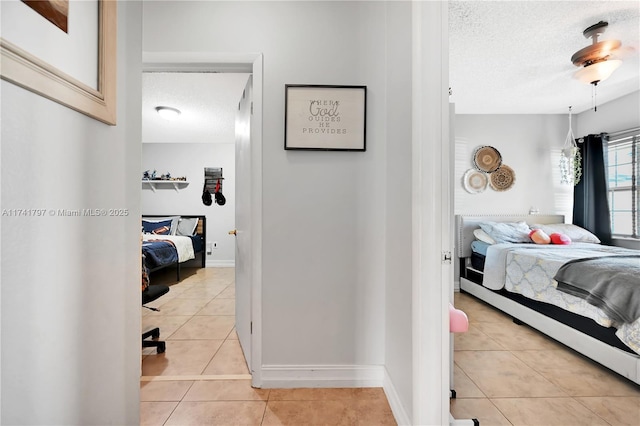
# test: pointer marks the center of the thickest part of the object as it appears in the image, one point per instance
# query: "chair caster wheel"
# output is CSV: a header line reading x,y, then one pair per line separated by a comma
x,y
161,347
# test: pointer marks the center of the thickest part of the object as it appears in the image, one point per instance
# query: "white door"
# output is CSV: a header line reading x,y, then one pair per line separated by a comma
x,y
243,234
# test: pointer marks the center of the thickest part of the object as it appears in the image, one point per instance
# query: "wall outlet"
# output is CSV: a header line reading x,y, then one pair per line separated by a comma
x,y
214,245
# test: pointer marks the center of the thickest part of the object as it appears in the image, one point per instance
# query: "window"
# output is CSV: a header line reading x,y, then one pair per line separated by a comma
x,y
623,171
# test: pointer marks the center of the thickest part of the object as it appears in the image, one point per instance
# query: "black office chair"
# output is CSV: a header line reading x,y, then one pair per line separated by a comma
x,y
149,294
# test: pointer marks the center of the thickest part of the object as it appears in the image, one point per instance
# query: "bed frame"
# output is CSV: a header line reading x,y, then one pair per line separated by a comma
x,y
550,320
201,231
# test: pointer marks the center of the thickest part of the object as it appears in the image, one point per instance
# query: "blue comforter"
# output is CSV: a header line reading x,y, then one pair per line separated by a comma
x,y
159,253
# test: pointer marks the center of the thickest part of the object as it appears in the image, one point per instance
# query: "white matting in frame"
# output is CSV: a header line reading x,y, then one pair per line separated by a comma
x,y
325,118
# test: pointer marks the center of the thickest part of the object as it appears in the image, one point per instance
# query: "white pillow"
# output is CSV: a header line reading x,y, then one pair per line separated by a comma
x,y
507,232
576,233
483,236
187,226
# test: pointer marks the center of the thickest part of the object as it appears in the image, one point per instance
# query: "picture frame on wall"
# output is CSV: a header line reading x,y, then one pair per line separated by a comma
x,y
75,67
325,117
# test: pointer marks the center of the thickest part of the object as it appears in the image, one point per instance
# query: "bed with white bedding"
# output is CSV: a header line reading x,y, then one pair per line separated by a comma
x,y
518,278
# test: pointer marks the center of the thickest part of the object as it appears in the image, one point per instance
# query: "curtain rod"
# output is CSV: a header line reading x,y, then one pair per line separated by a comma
x,y
623,132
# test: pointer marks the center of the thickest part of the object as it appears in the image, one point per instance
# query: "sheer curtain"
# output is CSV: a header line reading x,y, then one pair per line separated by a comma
x,y
590,203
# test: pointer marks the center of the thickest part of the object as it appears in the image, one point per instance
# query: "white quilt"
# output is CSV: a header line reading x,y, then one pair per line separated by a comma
x,y
183,245
529,270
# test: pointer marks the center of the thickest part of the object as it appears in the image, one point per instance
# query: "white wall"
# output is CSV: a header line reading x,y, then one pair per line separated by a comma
x,y
620,114
70,285
398,294
190,159
324,212
530,145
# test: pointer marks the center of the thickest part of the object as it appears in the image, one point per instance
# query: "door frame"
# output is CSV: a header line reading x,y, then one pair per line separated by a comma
x,y
239,63
432,275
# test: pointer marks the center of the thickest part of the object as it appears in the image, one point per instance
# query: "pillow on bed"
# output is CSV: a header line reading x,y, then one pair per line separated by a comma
x,y
174,222
187,226
558,238
483,236
574,232
158,228
538,236
507,232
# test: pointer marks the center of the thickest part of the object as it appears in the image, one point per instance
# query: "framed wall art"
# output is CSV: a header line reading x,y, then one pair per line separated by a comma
x,y
325,118
64,51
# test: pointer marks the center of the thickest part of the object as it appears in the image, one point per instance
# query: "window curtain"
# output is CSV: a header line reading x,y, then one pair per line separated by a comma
x,y
590,197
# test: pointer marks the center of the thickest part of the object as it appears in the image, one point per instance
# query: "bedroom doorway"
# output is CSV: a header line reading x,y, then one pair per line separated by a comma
x,y
248,212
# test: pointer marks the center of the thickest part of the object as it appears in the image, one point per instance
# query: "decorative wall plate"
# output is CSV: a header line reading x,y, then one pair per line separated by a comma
x,y
487,159
503,178
474,181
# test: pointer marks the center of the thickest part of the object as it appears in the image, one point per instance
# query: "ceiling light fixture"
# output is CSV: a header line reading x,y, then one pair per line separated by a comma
x,y
596,60
168,113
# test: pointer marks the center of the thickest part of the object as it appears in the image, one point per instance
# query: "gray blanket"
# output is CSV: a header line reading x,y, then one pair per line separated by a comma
x,y
611,283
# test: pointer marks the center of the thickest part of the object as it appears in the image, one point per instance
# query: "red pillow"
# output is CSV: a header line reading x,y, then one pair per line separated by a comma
x,y
557,238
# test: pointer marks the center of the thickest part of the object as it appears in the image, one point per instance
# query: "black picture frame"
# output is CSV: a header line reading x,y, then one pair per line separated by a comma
x,y
325,117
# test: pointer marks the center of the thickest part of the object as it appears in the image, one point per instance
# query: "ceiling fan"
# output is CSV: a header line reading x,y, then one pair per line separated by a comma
x,y
597,61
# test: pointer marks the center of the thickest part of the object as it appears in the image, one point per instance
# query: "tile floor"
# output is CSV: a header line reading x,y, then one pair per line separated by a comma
x,y
505,374
202,378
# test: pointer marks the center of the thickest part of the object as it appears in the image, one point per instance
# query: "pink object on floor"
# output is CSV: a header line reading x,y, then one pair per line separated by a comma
x,y
458,321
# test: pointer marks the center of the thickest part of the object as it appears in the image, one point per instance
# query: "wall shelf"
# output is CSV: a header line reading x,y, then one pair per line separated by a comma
x,y
156,184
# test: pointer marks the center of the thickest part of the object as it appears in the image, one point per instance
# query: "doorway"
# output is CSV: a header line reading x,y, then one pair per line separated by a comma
x,y
249,172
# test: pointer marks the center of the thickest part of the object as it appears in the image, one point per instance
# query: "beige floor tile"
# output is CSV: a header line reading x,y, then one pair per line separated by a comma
x,y
477,408
297,413
155,413
501,374
475,340
546,411
225,413
478,311
374,412
203,291
228,360
577,375
620,410
219,307
517,337
164,391
464,386
168,323
180,306
205,327
225,390
228,293
233,335
182,357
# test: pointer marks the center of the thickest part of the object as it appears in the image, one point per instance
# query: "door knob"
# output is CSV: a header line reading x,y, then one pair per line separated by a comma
x,y
233,232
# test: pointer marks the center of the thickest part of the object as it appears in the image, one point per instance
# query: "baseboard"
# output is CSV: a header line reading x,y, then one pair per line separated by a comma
x,y
220,263
322,376
398,409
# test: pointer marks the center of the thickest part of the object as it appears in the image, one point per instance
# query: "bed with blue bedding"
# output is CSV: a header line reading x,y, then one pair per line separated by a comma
x,y
173,241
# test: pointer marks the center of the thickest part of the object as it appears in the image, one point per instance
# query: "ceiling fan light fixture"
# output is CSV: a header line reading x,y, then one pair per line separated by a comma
x,y
168,113
598,71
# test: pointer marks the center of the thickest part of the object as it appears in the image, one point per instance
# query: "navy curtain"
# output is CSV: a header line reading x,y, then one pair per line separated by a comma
x,y
590,202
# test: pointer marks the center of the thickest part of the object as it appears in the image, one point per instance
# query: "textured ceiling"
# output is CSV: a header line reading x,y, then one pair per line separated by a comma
x,y
208,102
513,57
506,57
